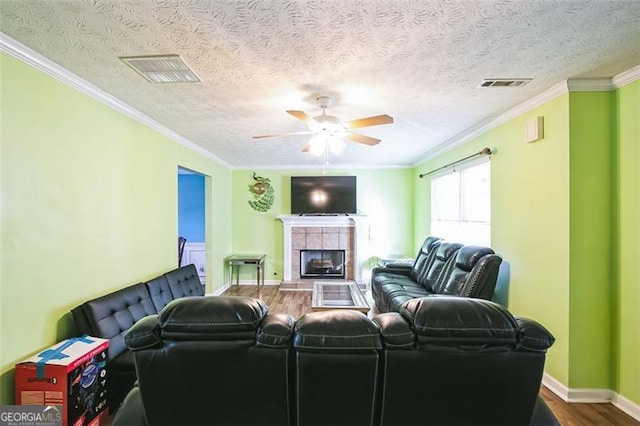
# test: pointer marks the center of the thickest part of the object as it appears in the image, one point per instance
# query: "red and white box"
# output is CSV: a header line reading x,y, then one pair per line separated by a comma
x,y
73,374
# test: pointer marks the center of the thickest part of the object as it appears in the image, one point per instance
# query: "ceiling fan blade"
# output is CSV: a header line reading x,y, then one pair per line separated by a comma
x,y
300,115
354,137
376,120
277,135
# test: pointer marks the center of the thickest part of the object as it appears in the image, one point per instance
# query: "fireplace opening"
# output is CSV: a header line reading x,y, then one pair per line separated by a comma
x,y
322,264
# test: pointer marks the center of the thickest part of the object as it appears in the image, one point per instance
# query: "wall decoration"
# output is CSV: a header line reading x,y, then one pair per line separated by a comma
x,y
263,194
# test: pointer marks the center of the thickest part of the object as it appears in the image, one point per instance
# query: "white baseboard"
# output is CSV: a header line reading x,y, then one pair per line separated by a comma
x,y
227,286
626,405
591,396
253,282
219,291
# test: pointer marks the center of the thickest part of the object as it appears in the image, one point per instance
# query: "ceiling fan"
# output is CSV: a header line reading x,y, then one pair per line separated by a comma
x,y
331,127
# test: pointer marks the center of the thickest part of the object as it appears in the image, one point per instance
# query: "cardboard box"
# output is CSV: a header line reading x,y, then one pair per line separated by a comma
x,y
72,374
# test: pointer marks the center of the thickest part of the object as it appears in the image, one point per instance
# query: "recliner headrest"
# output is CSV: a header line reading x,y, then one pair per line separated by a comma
x,y
212,317
460,323
429,244
336,330
446,250
468,256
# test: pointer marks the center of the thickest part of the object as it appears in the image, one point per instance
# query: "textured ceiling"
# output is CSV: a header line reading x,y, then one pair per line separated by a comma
x,y
418,61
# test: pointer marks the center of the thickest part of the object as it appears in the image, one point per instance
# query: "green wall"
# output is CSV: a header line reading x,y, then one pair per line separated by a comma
x,y
530,217
384,196
89,205
565,213
626,243
590,239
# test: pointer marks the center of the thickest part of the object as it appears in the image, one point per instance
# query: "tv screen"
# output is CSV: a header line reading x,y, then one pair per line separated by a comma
x,y
323,195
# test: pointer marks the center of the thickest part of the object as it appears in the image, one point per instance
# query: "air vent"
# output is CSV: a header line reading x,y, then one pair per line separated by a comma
x,y
504,82
162,69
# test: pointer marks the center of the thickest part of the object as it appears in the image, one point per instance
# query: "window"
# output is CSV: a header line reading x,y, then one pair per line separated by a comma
x,y
461,204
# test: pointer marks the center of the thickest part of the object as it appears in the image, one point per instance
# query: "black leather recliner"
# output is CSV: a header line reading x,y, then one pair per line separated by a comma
x,y
440,268
442,360
337,361
476,363
214,360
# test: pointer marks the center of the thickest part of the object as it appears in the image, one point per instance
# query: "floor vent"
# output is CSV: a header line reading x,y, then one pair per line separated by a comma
x,y
162,69
505,82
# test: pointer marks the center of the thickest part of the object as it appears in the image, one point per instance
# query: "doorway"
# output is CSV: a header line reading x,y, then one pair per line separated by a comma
x,y
191,221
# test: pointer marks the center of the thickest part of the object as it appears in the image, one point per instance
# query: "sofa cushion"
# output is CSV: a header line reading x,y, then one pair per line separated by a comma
x,y
185,282
159,292
110,316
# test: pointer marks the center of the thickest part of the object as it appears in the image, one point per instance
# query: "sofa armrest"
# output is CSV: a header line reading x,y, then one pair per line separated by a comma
x,y
131,412
396,332
400,271
275,331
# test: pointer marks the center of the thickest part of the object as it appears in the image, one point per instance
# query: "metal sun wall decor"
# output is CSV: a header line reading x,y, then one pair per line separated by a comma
x,y
263,194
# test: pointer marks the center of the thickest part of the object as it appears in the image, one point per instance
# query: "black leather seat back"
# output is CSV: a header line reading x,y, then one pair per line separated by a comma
x,y
185,282
337,365
474,273
459,343
430,277
205,357
159,292
112,315
424,258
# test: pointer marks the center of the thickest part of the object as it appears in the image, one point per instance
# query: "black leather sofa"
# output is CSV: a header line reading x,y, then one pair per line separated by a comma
x,y
440,267
111,315
439,361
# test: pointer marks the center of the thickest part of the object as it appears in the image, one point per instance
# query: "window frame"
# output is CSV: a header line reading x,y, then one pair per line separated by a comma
x,y
457,229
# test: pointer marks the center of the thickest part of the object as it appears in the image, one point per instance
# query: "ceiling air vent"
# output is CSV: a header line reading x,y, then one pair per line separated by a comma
x,y
504,82
162,69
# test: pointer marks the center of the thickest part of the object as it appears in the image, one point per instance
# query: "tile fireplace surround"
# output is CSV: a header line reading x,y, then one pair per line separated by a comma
x,y
323,233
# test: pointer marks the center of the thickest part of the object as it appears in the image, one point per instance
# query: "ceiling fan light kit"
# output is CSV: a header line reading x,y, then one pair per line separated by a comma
x,y
330,132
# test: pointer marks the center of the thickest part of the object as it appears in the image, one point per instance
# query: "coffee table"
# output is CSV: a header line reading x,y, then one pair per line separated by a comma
x,y
338,295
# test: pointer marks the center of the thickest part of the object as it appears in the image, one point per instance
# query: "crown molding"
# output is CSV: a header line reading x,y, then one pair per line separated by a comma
x,y
329,167
590,84
571,85
626,77
30,57
491,123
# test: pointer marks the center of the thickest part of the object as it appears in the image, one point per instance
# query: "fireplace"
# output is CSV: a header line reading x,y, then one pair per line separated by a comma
x,y
346,234
322,264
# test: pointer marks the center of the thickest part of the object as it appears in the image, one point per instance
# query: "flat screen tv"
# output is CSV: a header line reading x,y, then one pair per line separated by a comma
x,y
324,195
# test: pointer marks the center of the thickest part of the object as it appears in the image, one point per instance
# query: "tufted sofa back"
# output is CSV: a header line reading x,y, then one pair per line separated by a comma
x,y
111,315
184,282
159,292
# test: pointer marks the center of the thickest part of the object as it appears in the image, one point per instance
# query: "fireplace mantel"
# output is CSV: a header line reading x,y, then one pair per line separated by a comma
x,y
358,222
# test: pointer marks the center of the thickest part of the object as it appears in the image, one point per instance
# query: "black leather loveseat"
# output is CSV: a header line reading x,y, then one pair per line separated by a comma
x,y
111,315
441,360
439,268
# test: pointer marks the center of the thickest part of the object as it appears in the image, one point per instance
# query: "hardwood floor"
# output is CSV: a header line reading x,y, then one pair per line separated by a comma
x,y
298,303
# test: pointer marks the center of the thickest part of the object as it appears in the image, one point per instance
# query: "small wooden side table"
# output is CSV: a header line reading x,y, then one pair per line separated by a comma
x,y
237,260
